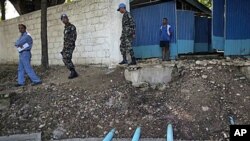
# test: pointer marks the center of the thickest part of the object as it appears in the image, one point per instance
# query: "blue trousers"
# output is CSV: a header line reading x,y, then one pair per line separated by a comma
x,y
25,67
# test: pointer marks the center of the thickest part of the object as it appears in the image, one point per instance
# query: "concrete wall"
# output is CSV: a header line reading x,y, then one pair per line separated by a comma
x,y
98,26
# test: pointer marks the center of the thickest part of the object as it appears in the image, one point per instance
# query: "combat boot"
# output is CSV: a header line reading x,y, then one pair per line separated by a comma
x,y
133,62
124,61
73,74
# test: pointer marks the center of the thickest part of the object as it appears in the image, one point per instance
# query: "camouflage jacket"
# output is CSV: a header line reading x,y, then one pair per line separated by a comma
x,y
70,35
128,25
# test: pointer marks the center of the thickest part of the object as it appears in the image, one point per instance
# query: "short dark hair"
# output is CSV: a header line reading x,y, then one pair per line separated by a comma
x,y
165,19
24,26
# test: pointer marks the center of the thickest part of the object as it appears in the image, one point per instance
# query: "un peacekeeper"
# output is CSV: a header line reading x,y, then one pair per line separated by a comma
x,y
70,36
128,34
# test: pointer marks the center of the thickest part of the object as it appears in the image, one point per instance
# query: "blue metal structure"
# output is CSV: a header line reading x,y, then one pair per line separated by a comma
x,y
237,37
218,24
231,30
148,20
202,34
185,31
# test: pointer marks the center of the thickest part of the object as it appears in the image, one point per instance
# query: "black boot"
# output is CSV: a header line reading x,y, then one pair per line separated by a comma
x,y
124,61
133,62
73,74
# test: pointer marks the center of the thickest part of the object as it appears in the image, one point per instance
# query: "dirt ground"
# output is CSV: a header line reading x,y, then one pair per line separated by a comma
x,y
198,103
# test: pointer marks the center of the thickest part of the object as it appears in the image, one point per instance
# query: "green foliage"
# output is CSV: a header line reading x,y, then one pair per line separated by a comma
x,y
207,3
68,1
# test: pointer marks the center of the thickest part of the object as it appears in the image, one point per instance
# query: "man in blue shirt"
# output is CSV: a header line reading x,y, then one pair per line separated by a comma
x,y
165,38
24,45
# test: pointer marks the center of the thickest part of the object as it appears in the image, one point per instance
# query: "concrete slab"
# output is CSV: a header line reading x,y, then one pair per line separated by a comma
x,y
246,71
22,137
152,74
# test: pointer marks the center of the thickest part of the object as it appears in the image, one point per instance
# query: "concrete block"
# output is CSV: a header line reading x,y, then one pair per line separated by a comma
x,y
94,6
88,48
84,54
57,45
91,55
100,40
22,137
98,48
59,39
103,18
102,5
107,54
99,26
100,54
89,14
95,20
162,74
82,42
81,61
246,71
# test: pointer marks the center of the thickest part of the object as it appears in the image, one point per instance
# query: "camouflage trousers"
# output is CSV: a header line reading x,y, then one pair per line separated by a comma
x,y
126,47
67,56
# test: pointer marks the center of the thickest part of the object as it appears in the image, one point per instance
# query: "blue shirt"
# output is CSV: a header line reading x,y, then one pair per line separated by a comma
x,y
23,39
165,33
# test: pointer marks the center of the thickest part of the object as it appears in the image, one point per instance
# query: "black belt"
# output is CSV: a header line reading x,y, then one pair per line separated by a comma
x,y
24,51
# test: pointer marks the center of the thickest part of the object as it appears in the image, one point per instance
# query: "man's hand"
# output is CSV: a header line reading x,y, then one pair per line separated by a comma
x,y
19,46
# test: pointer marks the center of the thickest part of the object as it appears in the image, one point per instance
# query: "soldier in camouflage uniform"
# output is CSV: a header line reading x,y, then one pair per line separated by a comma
x,y
128,34
70,36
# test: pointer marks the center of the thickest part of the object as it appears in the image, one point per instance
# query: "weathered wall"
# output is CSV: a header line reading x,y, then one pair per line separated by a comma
x,y
98,26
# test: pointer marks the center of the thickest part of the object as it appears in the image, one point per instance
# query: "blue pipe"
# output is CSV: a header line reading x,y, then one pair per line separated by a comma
x,y
170,135
231,120
137,134
110,135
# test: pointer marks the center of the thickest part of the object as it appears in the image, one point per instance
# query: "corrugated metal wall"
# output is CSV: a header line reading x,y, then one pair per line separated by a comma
x,y
210,35
237,27
201,29
185,31
238,19
218,24
202,34
148,21
218,17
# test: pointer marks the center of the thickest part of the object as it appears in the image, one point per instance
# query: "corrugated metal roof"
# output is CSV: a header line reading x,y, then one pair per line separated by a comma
x,y
194,3
199,6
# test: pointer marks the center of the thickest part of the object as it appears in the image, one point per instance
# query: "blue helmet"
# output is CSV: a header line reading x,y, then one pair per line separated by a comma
x,y
64,16
121,5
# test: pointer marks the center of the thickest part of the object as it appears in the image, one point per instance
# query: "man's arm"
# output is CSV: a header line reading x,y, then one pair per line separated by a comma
x,y
160,31
132,25
24,42
24,39
73,34
171,32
